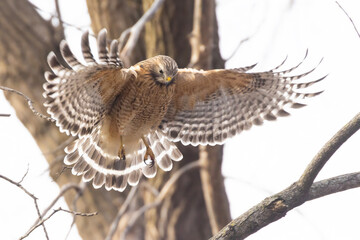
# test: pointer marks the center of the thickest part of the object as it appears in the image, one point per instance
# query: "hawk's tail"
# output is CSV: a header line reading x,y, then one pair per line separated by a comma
x,y
96,160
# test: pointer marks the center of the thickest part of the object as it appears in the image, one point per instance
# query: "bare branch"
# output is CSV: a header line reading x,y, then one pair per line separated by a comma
x,y
132,34
334,185
327,151
81,214
4,115
276,206
23,177
29,101
349,18
242,41
122,210
32,196
55,211
63,190
160,197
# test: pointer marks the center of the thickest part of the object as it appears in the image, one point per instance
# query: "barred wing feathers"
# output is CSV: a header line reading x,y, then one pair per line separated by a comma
x,y
78,97
211,106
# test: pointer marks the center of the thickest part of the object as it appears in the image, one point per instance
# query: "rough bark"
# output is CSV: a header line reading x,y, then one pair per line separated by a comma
x,y
183,214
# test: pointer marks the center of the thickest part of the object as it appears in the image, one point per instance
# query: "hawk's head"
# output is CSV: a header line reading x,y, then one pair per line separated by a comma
x,y
161,68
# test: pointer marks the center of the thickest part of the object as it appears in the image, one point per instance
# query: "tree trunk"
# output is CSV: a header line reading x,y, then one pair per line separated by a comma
x,y
183,214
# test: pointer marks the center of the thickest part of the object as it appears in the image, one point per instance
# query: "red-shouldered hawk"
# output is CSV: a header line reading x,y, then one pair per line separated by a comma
x,y
126,119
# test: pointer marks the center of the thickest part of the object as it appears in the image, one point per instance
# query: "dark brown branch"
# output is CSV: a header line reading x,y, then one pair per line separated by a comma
x,y
276,206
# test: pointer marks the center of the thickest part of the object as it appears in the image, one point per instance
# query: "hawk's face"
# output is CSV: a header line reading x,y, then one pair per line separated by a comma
x,y
162,69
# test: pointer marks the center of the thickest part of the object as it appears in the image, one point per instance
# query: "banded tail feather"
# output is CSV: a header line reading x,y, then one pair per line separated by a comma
x,y
89,159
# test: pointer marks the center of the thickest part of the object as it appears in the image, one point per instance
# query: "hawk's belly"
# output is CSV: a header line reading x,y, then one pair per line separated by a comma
x,y
140,109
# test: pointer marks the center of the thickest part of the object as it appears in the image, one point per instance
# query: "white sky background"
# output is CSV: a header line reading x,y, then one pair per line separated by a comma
x,y
259,162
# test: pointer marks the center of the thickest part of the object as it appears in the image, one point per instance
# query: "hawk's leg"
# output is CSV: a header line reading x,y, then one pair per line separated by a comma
x,y
148,154
122,149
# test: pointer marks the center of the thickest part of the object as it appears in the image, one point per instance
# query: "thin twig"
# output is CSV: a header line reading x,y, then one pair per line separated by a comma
x,y
81,214
135,216
132,34
55,211
122,210
352,22
242,41
5,115
23,177
29,101
32,196
63,190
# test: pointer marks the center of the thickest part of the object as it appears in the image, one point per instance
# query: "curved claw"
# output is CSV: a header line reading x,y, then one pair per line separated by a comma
x,y
149,154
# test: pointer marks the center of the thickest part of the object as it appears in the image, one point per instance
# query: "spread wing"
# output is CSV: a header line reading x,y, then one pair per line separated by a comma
x,y
79,96
211,106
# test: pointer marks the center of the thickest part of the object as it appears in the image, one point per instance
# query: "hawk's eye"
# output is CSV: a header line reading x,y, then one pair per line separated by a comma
x,y
161,71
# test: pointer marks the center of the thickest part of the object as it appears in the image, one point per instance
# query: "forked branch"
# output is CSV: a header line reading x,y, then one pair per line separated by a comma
x,y
276,206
